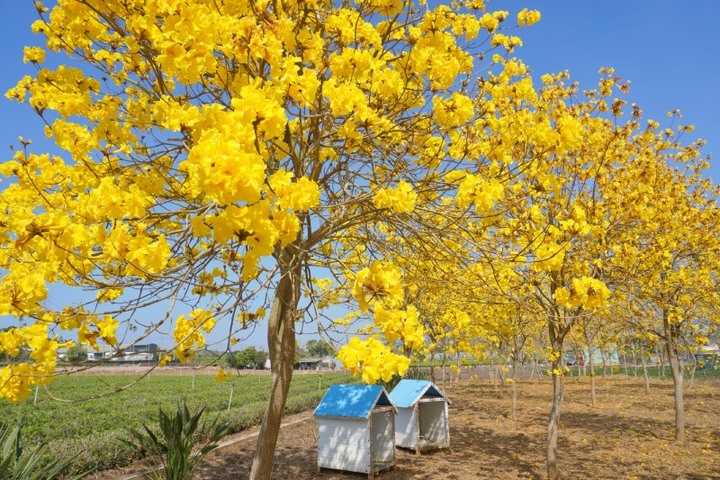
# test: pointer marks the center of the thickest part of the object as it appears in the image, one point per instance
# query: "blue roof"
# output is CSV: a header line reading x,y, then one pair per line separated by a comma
x,y
352,401
407,393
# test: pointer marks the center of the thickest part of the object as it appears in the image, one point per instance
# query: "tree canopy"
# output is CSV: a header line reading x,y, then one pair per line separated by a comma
x,y
232,163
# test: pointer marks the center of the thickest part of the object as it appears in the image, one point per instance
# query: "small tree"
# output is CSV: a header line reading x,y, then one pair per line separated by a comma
x,y
250,357
319,348
300,353
261,358
77,353
231,360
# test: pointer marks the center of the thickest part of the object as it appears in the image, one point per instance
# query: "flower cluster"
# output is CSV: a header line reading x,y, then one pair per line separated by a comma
x,y
401,325
372,359
585,292
527,17
16,379
379,281
400,199
188,335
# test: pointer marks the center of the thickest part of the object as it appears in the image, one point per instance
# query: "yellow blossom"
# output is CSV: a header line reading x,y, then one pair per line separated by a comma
x,y
223,375
528,17
34,55
372,359
381,281
400,199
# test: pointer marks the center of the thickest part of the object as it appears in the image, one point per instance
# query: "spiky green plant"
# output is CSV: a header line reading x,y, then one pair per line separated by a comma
x,y
19,464
173,445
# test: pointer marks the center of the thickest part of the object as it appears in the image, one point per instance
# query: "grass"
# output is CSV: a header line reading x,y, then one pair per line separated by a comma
x,y
95,427
653,371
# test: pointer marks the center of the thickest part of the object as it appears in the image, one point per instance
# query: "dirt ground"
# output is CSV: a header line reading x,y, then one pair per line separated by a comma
x,y
627,435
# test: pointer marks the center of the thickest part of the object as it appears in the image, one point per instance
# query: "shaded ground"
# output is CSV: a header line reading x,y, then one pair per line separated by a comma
x,y
628,434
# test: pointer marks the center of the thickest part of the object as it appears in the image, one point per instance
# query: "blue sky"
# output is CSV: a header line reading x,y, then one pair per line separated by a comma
x,y
667,49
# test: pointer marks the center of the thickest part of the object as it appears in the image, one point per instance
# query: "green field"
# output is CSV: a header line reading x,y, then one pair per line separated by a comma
x,y
93,428
653,371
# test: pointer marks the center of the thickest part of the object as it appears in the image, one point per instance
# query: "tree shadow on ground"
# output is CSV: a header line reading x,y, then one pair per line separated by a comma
x,y
499,450
610,424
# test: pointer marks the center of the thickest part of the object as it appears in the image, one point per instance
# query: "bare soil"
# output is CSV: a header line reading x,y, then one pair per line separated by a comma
x,y
628,434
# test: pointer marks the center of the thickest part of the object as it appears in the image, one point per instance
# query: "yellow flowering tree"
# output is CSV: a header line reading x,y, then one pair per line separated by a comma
x,y
557,224
536,228
605,211
666,257
214,151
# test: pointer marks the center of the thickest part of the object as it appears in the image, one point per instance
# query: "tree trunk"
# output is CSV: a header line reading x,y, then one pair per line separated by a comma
x,y
662,364
432,368
592,377
625,364
557,332
444,374
646,375
513,390
692,373
459,367
677,376
501,380
493,374
281,346
554,423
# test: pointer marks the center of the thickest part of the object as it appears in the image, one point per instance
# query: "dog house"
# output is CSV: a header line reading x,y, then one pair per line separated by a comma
x,y
422,419
356,429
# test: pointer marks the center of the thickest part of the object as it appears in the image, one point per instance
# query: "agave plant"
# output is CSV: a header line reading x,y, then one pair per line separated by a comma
x,y
173,444
19,464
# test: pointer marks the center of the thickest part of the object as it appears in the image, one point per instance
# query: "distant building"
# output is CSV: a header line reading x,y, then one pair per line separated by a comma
x,y
105,353
130,354
315,364
147,348
62,353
